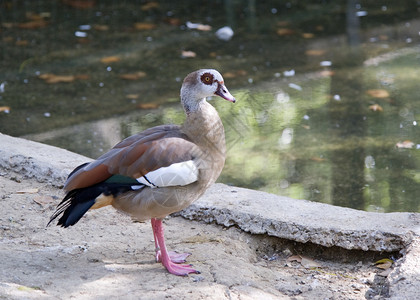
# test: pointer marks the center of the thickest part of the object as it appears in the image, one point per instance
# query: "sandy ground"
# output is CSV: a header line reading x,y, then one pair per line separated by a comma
x,y
106,255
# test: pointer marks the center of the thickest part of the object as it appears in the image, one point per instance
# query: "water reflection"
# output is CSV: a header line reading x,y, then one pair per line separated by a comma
x,y
327,92
347,119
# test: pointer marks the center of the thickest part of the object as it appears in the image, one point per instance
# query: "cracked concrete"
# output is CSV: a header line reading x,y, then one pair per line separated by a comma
x,y
303,221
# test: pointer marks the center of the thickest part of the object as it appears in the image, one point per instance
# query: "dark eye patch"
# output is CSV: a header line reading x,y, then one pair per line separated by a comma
x,y
207,78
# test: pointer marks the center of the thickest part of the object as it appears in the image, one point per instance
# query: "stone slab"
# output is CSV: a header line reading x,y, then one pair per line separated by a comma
x,y
252,211
35,160
304,221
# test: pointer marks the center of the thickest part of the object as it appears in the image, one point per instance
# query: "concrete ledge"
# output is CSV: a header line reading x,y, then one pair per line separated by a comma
x,y
252,211
304,221
35,160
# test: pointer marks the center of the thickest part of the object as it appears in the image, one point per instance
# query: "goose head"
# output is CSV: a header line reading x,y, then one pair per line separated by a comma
x,y
199,85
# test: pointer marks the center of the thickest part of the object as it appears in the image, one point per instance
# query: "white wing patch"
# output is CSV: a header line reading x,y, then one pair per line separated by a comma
x,y
178,174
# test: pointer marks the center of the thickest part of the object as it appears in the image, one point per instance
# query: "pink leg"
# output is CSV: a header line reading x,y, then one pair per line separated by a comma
x,y
175,257
163,255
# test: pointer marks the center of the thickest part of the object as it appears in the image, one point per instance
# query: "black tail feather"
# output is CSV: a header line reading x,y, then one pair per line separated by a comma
x,y
74,205
77,202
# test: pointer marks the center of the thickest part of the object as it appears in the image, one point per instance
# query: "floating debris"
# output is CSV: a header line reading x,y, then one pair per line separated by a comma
x,y
376,107
188,54
133,76
2,86
5,109
144,26
407,144
295,86
378,93
289,73
325,63
81,34
110,59
224,33
198,26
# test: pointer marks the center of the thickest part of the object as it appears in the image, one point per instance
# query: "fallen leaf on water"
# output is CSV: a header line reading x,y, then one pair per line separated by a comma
x,y
173,21
144,26
285,31
241,72
8,39
378,93
133,76
110,59
308,35
283,23
80,4
5,109
28,191
405,144
315,52
52,78
384,264
229,75
132,96
8,25
83,40
22,43
149,6
188,54
317,159
376,107
82,76
204,27
235,74
198,26
34,16
100,27
326,73
148,105
41,23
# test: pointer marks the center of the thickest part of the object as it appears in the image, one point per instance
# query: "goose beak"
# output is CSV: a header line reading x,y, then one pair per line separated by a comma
x,y
223,92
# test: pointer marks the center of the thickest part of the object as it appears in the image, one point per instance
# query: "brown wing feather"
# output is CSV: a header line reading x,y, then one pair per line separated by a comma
x,y
137,155
157,154
84,178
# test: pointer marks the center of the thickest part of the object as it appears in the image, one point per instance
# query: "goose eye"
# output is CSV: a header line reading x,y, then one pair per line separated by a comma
x,y
207,78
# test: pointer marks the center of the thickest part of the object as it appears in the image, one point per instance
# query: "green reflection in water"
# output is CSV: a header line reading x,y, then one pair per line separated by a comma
x,y
299,129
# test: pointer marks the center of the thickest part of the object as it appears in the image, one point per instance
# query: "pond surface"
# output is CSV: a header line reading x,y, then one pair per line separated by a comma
x,y
328,100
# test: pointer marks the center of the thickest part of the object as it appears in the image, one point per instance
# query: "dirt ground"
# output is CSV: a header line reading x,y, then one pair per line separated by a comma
x,y
106,255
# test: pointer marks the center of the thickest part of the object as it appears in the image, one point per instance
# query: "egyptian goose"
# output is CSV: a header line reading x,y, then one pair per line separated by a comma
x,y
158,171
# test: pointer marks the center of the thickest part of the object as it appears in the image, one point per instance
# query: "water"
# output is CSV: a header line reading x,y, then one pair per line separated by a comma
x,y
327,92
